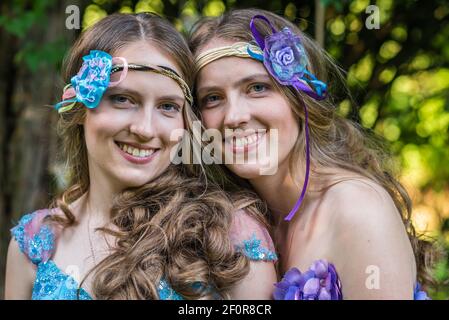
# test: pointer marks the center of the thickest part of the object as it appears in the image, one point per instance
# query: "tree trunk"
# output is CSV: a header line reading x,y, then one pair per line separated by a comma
x,y
320,11
27,123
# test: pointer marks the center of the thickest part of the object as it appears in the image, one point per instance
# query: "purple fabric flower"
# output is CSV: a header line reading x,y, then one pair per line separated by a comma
x,y
93,78
284,56
320,282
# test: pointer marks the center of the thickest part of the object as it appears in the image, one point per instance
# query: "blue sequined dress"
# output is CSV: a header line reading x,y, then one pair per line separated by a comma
x,y
37,240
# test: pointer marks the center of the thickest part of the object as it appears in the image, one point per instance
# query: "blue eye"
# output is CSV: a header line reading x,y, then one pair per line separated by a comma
x,y
258,87
170,107
210,100
121,100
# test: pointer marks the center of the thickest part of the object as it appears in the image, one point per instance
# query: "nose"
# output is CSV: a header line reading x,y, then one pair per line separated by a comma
x,y
237,113
142,124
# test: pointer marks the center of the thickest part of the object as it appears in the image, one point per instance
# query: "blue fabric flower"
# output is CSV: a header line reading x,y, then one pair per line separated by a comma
x,y
93,78
320,282
284,56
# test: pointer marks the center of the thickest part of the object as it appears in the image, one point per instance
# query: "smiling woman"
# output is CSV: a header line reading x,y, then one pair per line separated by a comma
x,y
132,225
257,71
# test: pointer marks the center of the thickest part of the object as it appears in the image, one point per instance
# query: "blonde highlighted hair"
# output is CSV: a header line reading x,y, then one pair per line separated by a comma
x,y
335,142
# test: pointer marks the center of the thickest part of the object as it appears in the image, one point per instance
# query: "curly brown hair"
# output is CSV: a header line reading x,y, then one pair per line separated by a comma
x,y
175,227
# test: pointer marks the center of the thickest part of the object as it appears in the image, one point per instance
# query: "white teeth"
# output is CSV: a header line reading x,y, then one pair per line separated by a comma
x,y
141,153
241,142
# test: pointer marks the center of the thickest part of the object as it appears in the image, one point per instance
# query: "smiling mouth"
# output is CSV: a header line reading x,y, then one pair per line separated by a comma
x,y
239,144
134,151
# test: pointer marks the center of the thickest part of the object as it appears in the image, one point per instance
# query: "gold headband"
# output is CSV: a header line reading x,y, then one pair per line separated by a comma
x,y
238,49
163,71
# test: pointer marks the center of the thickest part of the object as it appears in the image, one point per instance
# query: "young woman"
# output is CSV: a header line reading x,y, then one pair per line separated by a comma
x,y
259,75
132,225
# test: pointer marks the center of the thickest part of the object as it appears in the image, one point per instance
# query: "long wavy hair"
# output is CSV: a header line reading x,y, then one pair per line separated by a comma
x,y
175,228
335,142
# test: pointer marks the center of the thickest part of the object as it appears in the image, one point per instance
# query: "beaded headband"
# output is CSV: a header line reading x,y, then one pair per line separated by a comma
x,y
238,49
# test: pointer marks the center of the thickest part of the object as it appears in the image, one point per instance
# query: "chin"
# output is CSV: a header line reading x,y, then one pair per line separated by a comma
x,y
246,171
136,181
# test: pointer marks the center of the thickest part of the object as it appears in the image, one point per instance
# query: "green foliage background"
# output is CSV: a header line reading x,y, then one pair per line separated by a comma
x,y
398,75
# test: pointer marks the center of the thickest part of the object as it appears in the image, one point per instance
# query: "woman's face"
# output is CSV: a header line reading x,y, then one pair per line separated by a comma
x,y
237,93
128,134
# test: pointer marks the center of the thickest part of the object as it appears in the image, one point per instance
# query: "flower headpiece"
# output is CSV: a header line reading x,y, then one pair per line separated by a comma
x,y
93,79
285,59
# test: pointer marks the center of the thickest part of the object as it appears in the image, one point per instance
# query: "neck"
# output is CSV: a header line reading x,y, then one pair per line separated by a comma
x,y
280,191
99,198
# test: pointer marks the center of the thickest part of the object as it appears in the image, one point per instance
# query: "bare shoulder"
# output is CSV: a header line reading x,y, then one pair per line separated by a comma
x,y
20,273
359,201
368,234
258,283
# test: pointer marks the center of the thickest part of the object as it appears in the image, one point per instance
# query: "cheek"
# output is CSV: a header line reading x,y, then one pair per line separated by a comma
x,y
284,115
168,129
285,122
212,119
100,124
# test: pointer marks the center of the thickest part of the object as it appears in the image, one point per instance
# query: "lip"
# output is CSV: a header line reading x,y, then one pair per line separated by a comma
x,y
248,147
136,145
137,160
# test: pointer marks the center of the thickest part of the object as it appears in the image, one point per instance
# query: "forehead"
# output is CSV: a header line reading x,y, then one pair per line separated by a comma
x,y
215,43
227,70
146,53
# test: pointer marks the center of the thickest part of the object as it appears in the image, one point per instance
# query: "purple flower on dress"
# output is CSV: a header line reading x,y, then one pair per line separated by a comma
x,y
93,78
284,56
320,282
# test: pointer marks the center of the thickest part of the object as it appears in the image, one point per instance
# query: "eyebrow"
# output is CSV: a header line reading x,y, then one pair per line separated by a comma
x,y
118,89
238,83
173,97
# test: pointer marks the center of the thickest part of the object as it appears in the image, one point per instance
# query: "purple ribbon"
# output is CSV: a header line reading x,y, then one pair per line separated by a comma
x,y
298,84
257,36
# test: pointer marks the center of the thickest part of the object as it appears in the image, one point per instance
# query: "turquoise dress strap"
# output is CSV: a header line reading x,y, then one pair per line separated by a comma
x,y
35,239
251,238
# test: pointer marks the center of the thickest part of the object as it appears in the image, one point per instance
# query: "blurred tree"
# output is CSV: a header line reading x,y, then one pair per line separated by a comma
x,y
34,38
